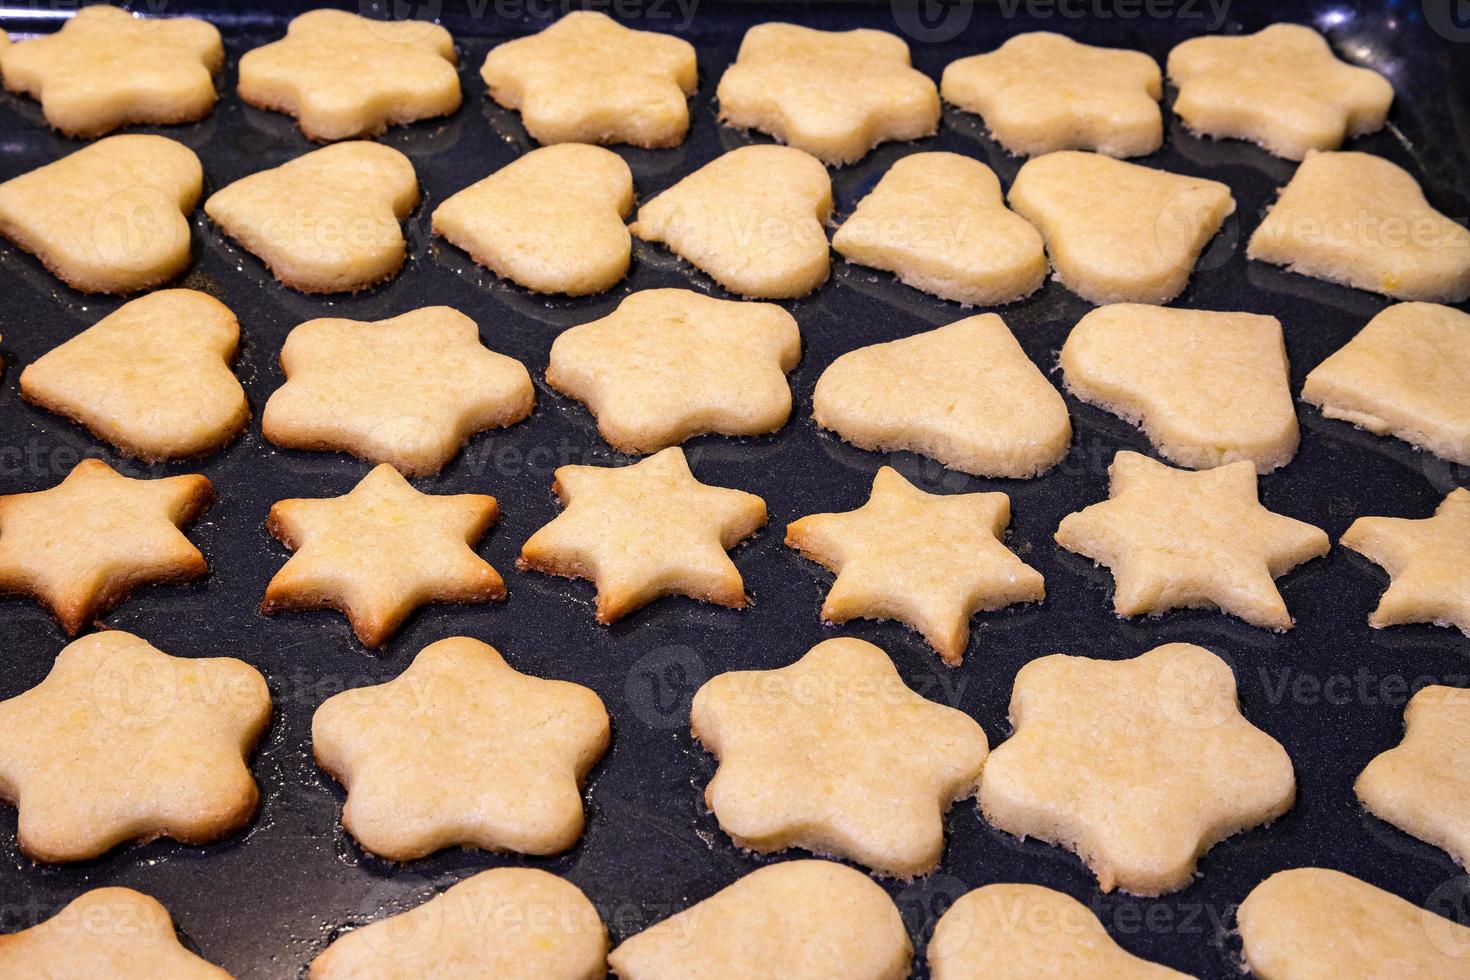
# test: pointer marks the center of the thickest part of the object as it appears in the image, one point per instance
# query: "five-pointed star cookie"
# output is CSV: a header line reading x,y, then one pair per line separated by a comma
x,y
409,390
835,94
106,932
670,364
80,547
589,79
644,531
1428,561
836,755
106,68
380,551
1139,766
344,76
1175,539
928,560
123,742
1281,87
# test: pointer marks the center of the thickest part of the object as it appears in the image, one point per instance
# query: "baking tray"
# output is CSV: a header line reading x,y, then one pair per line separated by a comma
x,y
265,901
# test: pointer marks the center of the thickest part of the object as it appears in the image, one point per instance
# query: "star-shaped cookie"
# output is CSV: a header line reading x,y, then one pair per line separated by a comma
x,y
835,94
80,547
461,749
1428,561
644,531
123,742
409,390
836,755
670,364
344,76
589,79
928,560
380,551
1139,766
1174,539
106,68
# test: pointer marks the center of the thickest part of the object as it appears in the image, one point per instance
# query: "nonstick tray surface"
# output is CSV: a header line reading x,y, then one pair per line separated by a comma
x,y
265,901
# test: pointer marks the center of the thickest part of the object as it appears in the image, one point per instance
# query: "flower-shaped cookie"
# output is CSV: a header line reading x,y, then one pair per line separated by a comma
x,y
1040,92
644,531
123,742
106,68
1140,766
344,76
153,378
835,94
669,364
380,551
109,218
1281,87
589,79
461,749
1428,561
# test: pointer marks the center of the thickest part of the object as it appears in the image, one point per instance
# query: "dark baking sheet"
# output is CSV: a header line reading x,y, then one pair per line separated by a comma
x,y
265,901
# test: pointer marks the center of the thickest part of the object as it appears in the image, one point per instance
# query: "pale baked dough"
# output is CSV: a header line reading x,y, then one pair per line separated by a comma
x,y
1428,561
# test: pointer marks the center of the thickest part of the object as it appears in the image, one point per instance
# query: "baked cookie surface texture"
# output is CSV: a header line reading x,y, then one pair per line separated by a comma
x,y
1428,561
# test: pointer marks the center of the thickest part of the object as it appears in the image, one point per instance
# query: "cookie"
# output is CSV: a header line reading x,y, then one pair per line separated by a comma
x,y
1318,924
109,218
1206,388
80,547
929,560
835,94
1281,88
1140,766
1027,932
552,221
938,221
834,754
1358,220
380,551
122,742
1180,540
1403,375
589,79
644,531
105,932
750,219
409,390
106,68
670,364
325,222
152,378
343,76
1040,92
797,920
461,749
1428,561
964,394
507,923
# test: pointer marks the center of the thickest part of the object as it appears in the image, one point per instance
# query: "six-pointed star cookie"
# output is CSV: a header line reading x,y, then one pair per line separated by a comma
x,y
461,749
80,547
106,68
589,79
928,560
1139,766
669,364
1428,561
1281,87
644,531
409,390
123,742
835,94
836,755
380,551
344,76
1175,539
